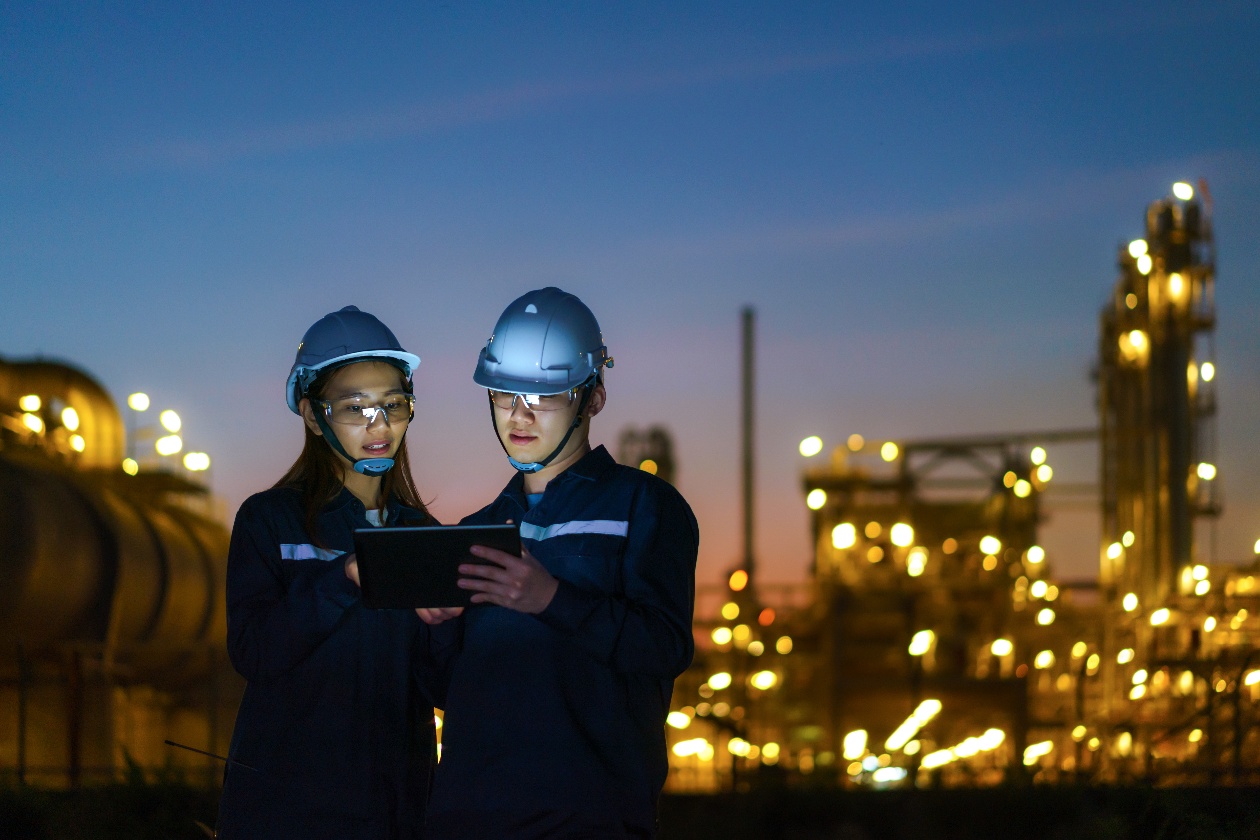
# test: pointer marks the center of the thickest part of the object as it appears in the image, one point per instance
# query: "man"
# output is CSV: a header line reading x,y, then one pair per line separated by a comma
x,y
555,716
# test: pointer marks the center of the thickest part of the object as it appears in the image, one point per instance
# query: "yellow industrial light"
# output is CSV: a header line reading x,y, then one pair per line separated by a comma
x,y
678,720
1001,647
811,446
30,402
854,745
70,419
889,451
138,401
901,535
196,462
763,680
170,421
855,443
649,466
921,642
916,561
816,498
1183,191
1137,248
844,535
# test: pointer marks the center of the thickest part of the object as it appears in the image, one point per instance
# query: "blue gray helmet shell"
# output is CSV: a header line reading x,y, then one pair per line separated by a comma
x,y
546,342
342,337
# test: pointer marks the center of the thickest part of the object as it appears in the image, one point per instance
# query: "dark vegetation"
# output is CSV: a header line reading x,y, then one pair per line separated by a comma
x,y
170,809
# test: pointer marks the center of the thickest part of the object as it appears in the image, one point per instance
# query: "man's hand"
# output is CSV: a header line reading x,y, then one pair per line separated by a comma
x,y
518,583
436,615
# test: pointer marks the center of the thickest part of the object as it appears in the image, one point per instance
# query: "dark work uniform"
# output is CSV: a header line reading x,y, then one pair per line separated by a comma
x,y
337,717
554,723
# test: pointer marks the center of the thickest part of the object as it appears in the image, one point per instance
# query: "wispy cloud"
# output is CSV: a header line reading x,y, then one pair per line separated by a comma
x,y
530,96
1054,196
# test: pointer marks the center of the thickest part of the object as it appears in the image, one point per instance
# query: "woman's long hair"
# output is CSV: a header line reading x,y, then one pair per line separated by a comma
x,y
318,474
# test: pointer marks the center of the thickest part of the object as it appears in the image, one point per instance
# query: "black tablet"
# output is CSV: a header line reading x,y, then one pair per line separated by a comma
x,y
404,568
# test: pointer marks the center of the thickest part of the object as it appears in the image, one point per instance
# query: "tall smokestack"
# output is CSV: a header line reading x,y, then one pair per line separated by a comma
x,y
747,406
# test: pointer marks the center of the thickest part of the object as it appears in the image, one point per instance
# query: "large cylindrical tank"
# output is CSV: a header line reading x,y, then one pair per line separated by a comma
x,y
92,557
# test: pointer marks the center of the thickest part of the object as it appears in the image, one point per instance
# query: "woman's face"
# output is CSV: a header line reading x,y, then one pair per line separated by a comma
x,y
367,406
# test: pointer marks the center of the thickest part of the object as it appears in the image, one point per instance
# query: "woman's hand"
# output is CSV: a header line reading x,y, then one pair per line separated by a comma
x,y
352,569
518,583
436,615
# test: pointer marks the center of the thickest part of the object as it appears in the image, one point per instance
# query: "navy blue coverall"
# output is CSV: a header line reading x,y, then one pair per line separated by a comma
x,y
336,724
554,723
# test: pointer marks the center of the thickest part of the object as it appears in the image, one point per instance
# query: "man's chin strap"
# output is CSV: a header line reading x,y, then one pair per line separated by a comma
x,y
538,465
365,466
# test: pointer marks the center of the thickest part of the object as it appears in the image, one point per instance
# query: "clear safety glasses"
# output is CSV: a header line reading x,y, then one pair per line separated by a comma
x,y
506,400
353,411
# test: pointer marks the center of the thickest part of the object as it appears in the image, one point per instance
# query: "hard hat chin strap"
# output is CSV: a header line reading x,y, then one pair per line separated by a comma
x,y
364,466
538,465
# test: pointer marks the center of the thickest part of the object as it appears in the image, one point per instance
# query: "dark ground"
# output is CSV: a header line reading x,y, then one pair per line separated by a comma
x,y
139,811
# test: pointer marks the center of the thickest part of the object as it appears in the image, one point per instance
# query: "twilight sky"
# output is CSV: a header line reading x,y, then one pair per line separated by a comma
x,y
922,201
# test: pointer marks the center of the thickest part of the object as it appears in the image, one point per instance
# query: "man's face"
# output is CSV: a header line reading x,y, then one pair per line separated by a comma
x,y
530,435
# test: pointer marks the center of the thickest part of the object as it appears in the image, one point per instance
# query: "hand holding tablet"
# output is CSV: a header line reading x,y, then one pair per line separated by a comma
x,y
417,567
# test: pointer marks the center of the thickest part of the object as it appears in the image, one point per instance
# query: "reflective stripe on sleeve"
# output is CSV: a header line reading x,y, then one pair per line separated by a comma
x,y
611,527
306,551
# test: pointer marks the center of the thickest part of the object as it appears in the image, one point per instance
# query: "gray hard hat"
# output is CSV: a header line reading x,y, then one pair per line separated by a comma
x,y
339,338
546,342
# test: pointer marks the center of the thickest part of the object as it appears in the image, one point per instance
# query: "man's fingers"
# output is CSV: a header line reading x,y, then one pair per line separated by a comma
x,y
469,570
494,555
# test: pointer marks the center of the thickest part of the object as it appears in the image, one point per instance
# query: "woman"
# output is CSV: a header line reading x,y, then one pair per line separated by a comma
x,y
334,737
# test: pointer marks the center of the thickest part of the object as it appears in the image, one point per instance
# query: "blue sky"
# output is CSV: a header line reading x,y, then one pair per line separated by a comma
x,y
922,201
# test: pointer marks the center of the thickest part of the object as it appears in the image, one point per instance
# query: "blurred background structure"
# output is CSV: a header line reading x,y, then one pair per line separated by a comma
x,y
934,644
111,617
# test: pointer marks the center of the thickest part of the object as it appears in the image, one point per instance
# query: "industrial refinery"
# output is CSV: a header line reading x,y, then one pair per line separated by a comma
x,y
934,645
